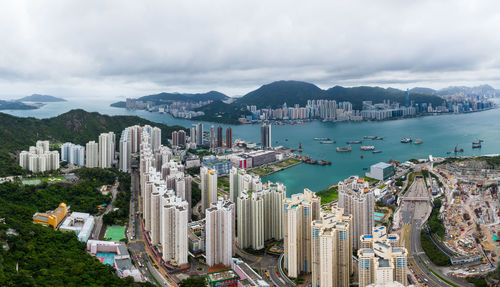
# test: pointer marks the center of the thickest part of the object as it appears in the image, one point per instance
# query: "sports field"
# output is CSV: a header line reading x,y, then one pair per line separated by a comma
x,y
115,233
49,179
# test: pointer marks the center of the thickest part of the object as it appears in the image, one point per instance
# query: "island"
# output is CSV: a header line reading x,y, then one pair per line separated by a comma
x,y
41,99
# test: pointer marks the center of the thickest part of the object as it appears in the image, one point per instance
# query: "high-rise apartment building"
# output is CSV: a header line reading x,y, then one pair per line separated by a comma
x,y
174,224
125,149
299,212
331,249
39,158
357,199
208,187
265,136
73,154
92,154
179,138
381,259
229,137
219,136
155,138
106,149
212,139
219,220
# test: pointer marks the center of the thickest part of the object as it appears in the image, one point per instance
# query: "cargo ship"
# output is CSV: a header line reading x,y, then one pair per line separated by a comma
x,y
321,139
369,137
418,141
344,149
354,142
406,140
367,147
327,142
476,144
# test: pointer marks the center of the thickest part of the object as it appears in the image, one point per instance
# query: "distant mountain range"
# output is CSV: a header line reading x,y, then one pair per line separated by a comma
x,y
163,98
463,90
41,99
13,105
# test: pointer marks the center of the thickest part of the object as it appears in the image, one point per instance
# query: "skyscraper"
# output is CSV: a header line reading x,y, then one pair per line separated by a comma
x,y
92,154
300,211
106,149
208,186
265,136
213,140
331,249
381,259
199,134
219,136
155,138
174,237
357,199
125,149
219,220
229,137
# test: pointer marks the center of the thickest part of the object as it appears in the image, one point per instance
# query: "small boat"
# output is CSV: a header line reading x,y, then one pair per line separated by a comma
x,y
376,151
379,138
344,149
300,147
324,162
458,150
406,140
321,139
327,142
476,144
367,147
418,141
369,137
286,140
354,142
361,156
365,168
448,152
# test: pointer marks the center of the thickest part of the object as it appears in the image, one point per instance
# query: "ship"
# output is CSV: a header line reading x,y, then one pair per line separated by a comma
x,y
458,150
406,140
376,151
324,162
354,142
476,144
367,147
300,147
418,141
327,142
344,149
370,137
321,139
378,138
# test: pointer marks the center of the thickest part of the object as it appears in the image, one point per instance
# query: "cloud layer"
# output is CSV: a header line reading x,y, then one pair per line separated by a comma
x,y
124,48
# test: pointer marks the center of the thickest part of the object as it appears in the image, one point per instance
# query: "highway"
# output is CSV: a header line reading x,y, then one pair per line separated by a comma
x,y
413,215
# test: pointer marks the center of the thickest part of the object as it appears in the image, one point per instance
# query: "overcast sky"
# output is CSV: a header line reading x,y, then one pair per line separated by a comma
x,y
118,49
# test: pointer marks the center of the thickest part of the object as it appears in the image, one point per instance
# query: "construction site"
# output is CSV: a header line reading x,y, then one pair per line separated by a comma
x,y
470,213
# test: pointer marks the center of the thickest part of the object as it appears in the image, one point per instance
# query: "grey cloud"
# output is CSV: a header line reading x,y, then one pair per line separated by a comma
x,y
110,48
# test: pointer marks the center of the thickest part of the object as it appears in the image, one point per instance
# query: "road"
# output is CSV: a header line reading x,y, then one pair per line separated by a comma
x,y
137,245
98,230
263,264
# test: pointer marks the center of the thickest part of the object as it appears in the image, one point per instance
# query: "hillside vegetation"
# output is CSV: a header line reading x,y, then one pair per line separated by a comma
x,y
77,126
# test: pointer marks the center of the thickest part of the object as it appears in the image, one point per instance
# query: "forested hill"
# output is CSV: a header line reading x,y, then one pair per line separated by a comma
x,y
77,126
296,92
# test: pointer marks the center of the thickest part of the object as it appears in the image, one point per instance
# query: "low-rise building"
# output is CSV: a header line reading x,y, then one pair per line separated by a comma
x,y
222,278
381,171
80,223
51,218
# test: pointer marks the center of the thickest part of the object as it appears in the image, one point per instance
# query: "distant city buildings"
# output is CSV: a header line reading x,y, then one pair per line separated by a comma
x,y
299,212
219,232
357,200
381,259
39,158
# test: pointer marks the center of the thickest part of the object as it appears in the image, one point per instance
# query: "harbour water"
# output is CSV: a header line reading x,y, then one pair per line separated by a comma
x,y
440,134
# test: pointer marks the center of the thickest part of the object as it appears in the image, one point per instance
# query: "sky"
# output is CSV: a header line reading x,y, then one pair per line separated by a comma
x,y
118,49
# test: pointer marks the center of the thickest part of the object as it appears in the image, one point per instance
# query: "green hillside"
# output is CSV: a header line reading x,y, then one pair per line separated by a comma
x,y
76,126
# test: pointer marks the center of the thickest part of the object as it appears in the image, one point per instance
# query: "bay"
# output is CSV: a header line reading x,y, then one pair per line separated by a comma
x,y
440,135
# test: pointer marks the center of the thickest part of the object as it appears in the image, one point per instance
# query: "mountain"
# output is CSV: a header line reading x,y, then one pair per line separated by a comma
x,y
277,93
463,90
11,105
76,126
423,90
221,112
166,97
295,92
41,99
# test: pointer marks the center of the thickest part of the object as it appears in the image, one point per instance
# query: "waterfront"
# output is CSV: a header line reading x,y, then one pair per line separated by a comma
x,y
440,134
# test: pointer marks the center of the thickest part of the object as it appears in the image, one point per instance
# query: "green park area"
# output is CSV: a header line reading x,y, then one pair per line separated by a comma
x,y
38,180
115,233
328,195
